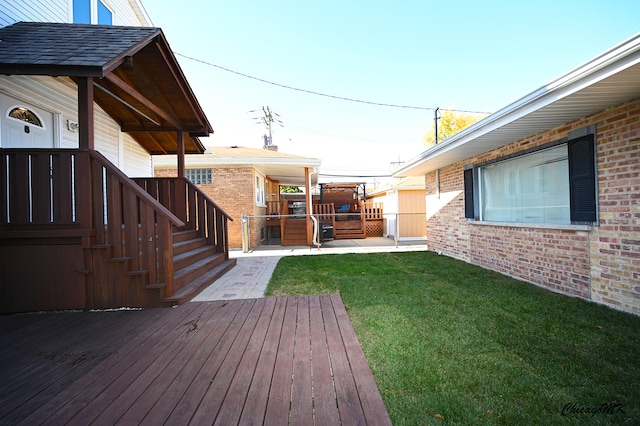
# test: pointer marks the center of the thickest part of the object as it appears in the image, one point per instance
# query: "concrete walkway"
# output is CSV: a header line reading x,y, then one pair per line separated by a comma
x,y
251,275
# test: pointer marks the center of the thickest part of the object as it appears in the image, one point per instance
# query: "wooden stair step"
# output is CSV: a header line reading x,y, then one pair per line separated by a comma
x,y
194,287
350,237
184,259
295,233
188,245
194,270
184,235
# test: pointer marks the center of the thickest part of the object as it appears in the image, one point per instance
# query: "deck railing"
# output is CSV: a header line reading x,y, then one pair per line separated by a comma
x,y
373,210
325,212
62,193
276,208
193,207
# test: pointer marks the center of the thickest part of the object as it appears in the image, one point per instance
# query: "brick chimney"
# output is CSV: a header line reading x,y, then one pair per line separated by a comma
x,y
268,145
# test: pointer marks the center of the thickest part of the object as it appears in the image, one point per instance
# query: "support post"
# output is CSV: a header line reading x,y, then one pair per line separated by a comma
x,y
309,210
246,236
181,165
85,113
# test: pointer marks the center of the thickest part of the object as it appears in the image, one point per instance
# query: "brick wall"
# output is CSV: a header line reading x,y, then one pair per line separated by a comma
x,y
233,190
615,245
602,263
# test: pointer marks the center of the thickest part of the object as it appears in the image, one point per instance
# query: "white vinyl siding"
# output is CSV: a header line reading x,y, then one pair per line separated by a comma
x,y
125,12
59,96
33,11
137,161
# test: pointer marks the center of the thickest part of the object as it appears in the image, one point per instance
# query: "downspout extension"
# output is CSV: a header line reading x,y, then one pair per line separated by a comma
x,y
310,202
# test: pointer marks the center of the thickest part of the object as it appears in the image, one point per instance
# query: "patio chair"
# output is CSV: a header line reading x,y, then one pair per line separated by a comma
x,y
342,210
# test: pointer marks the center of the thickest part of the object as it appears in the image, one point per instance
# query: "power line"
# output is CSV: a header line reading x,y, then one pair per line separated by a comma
x,y
342,98
345,137
354,176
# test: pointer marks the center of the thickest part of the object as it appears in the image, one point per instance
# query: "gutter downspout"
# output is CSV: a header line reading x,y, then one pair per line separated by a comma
x,y
310,209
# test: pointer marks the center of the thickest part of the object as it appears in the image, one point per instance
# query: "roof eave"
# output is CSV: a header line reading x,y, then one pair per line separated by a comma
x,y
51,70
457,148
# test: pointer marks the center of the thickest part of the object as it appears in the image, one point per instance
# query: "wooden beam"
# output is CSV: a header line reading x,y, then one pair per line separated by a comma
x,y
193,131
180,79
139,97
85,113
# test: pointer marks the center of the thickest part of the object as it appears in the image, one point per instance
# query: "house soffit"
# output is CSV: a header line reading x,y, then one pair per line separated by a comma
x,y
137,79
288,169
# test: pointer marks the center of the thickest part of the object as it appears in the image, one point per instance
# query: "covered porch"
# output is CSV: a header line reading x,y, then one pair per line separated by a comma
x,y
338,211
75,231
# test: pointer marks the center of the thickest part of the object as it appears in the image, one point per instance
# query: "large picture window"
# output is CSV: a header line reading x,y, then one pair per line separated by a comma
x,y
554,184
533,188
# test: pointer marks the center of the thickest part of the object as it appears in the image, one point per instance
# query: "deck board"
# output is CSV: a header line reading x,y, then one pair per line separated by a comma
x,y
273,360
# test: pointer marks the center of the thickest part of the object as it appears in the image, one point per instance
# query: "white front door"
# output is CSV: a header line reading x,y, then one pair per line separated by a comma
x,y
23,125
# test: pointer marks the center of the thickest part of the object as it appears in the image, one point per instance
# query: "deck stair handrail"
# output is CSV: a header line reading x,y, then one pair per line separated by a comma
x,y
54,193
193,206
41,187
130,220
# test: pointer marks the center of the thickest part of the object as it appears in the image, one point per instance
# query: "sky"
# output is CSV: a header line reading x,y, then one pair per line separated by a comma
x,y
396,61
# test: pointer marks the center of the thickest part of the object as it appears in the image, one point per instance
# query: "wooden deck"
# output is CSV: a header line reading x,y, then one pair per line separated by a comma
x,y
275,360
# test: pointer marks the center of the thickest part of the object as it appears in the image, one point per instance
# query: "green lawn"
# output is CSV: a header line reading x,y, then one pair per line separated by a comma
x,y
452,343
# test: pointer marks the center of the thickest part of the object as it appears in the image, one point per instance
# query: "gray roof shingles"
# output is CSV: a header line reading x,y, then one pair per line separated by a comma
x,y
70,45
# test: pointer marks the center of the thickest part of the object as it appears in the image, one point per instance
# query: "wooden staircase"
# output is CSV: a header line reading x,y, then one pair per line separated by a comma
x,y
105,240
345,226
196,266
349,229
294,232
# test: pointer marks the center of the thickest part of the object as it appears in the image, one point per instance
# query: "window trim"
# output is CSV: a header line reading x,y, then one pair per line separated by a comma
x,y
12,108
108,8
93,11
472,184
260,190
535,225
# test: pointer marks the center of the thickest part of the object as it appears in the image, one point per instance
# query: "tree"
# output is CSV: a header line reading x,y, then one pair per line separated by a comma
x,y
287,189
450,122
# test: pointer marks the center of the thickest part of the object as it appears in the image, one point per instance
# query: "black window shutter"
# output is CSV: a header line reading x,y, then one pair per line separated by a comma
x,y
468,194
582,179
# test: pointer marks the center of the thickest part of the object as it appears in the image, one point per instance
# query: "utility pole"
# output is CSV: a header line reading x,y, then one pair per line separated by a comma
x,y
268,119
435,119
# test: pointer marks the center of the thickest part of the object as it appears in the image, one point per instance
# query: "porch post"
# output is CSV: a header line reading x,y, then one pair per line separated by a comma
x,y
307,190
181,172
85,113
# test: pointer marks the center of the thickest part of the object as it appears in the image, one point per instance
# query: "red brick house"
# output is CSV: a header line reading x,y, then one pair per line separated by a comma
x,y
244,181
547,189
